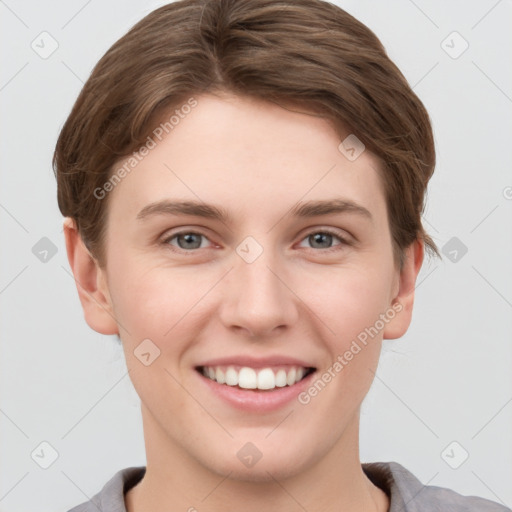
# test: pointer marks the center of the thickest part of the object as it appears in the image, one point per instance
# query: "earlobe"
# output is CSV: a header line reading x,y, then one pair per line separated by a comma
x,y
90,282
403,301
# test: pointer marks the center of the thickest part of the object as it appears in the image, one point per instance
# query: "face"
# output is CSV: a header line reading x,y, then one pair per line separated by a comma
x,y
271,295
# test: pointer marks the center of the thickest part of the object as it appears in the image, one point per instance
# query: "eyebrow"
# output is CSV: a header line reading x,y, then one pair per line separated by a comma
x,y
210,211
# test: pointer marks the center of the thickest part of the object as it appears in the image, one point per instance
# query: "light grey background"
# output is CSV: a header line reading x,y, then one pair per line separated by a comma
x,y
448,379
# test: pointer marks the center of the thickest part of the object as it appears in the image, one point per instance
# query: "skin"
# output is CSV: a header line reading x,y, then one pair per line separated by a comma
x,y
257,160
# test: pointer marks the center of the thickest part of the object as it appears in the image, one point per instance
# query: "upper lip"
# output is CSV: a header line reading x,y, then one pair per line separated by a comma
x,y
256,362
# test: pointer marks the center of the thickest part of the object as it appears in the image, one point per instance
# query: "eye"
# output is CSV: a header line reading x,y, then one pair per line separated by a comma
x,y
189,240
323,240
186,240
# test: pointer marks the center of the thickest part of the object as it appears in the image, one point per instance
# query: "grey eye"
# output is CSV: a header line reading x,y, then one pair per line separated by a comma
x,y
187,240
321,239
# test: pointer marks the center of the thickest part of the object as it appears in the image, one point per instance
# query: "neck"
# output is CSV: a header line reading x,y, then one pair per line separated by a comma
x,y
175,481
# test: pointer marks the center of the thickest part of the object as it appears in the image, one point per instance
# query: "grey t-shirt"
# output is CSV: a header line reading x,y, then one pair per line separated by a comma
x,y
406,493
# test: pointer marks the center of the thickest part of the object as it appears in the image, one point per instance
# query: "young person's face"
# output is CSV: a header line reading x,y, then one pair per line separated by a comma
x,y
255,289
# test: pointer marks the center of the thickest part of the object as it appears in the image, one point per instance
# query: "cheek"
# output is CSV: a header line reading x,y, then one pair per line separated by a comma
x,y
166,306
347,300
150,300
150,307
349,305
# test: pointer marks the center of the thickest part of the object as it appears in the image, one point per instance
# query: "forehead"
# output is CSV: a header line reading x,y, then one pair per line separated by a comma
x,y
248,155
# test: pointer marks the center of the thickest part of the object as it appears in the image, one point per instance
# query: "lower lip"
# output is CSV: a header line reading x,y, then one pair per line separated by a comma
x,y
254,400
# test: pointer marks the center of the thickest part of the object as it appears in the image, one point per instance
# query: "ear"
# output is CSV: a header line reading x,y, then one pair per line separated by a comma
x,y
90,281
403,299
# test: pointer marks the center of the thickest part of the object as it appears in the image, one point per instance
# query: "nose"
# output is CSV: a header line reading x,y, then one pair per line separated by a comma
x,y
257,297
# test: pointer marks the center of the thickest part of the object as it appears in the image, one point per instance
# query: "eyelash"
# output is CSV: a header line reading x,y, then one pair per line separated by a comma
x,y
343,241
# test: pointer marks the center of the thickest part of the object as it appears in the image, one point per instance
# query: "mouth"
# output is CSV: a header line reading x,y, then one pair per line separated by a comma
x,y
256,379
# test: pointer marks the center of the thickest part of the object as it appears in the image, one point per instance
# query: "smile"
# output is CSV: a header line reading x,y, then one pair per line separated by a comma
x,y
244,377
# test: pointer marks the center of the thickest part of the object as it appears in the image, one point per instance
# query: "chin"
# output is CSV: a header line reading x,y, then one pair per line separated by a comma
x,y
249,465
261,472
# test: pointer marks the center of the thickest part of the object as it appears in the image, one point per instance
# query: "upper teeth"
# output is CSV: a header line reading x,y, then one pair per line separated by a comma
x,y
249,378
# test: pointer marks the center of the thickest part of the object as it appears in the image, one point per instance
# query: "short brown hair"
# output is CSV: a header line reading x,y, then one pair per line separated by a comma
x,y
308,52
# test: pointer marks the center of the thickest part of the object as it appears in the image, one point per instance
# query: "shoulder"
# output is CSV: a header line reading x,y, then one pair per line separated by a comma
x,y
408,494
111,497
